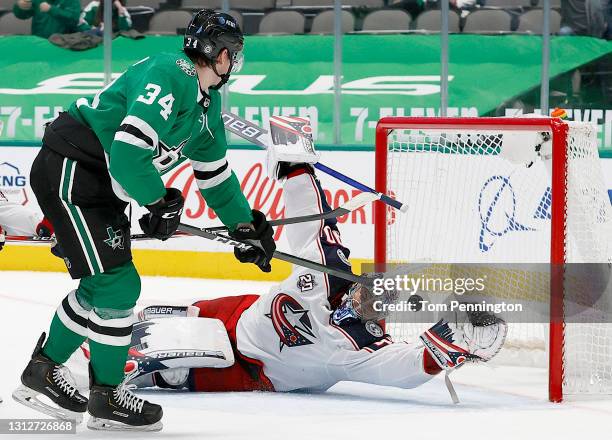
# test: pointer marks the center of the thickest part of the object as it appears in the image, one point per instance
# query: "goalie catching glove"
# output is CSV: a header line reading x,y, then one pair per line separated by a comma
x,y
164,215
260,234
475,337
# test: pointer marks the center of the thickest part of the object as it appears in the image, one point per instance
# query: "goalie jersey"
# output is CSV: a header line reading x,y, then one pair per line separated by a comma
x,y
150,119
290,331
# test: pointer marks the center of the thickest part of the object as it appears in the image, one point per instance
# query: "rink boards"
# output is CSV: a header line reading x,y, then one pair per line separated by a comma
x,y
196,257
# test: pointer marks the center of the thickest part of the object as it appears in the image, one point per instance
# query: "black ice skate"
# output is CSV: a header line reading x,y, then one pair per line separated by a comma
x,y
43,376
118,409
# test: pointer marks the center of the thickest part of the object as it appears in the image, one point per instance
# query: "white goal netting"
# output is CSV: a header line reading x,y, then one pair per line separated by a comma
x,y
473,199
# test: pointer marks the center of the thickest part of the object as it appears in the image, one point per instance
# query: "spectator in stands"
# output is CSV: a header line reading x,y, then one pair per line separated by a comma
x,y
93,15
463,4
582,17
49,16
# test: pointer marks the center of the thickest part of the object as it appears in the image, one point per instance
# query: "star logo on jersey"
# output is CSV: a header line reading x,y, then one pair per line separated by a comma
x,y
115,238
167,156
290,321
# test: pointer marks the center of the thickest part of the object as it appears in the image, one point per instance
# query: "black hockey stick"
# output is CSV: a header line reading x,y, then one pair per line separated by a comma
x,y
47,240
349,206
260,137
246,244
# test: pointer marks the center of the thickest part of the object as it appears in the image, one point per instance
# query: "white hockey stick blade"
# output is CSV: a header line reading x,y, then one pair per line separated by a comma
x,y
359,200
349,206
28,397
110,425
450,387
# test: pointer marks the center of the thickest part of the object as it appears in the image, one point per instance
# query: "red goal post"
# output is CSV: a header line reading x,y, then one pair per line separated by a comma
x,y
558,214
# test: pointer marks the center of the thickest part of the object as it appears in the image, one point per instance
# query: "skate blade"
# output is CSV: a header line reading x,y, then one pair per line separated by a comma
x,y
98,424
28,397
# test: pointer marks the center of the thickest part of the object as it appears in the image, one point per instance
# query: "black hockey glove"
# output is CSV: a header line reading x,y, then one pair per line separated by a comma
x,y
261,233
164,216
2,238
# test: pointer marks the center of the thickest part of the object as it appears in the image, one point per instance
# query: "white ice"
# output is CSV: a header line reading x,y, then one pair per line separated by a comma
x,y
498,403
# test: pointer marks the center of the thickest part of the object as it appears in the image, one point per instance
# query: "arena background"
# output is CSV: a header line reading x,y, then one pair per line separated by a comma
x,y
382,75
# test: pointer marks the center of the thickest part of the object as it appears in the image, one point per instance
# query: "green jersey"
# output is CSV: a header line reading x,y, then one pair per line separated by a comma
x,y
153,116
61,18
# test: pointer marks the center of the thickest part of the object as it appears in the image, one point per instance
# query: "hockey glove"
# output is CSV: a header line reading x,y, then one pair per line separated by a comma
x,y
164,216
261,233
2,238
44,229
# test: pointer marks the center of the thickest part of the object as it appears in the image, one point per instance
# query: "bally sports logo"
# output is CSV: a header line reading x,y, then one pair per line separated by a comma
x,y
13,183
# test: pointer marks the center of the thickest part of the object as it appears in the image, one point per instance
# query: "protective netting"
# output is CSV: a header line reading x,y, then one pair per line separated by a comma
x,y
480,196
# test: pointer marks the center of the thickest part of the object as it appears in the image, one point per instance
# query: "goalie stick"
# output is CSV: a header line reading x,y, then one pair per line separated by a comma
x,y
351,205
260,137
246,244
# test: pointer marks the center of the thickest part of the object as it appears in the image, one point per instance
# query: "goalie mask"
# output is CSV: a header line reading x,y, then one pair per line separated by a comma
x,y
208,34
361,304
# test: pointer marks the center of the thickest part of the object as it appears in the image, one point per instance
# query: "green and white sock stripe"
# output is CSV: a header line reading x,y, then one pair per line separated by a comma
x,y
116,331
78,220
73,315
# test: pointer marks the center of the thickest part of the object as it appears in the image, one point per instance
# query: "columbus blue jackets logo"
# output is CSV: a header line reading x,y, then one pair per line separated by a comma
x,y
290,321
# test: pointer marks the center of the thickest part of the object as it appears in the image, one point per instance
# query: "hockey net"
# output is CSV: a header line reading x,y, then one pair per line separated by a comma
x,y
473,199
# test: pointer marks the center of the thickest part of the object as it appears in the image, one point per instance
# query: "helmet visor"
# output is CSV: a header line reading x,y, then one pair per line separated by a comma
x,y
237,61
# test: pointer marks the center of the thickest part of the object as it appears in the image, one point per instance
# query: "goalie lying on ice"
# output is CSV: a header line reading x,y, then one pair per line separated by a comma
x,y
307,333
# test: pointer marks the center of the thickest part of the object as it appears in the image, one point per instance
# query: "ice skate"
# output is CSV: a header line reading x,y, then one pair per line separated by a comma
x,y
118,409
53,380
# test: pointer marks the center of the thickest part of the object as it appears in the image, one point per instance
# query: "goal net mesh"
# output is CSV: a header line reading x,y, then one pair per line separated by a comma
x,y
471,200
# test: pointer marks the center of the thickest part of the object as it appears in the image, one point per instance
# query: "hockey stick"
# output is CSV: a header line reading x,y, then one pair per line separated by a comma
x,y
35,239
240,244
260,137
351,205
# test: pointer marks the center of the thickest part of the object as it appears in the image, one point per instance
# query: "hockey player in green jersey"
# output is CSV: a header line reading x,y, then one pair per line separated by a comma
x,y
102,153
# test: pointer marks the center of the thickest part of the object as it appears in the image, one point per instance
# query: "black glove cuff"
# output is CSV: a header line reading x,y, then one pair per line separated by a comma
x,y
286,168
172,199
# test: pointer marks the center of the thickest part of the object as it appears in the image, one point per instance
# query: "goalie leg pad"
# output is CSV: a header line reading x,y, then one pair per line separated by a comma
x,y
182,342
175,343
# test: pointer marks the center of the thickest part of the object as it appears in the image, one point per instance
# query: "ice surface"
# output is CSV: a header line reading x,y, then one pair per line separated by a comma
x,y
496,403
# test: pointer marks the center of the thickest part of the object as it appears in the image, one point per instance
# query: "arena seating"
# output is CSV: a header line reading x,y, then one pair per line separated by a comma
x,y
11,25
274,17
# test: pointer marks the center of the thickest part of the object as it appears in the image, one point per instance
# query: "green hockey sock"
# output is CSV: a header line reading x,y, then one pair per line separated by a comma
x,y
110,323
68,328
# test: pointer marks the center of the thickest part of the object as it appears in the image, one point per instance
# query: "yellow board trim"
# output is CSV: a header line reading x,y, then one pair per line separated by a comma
x,y
188,264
